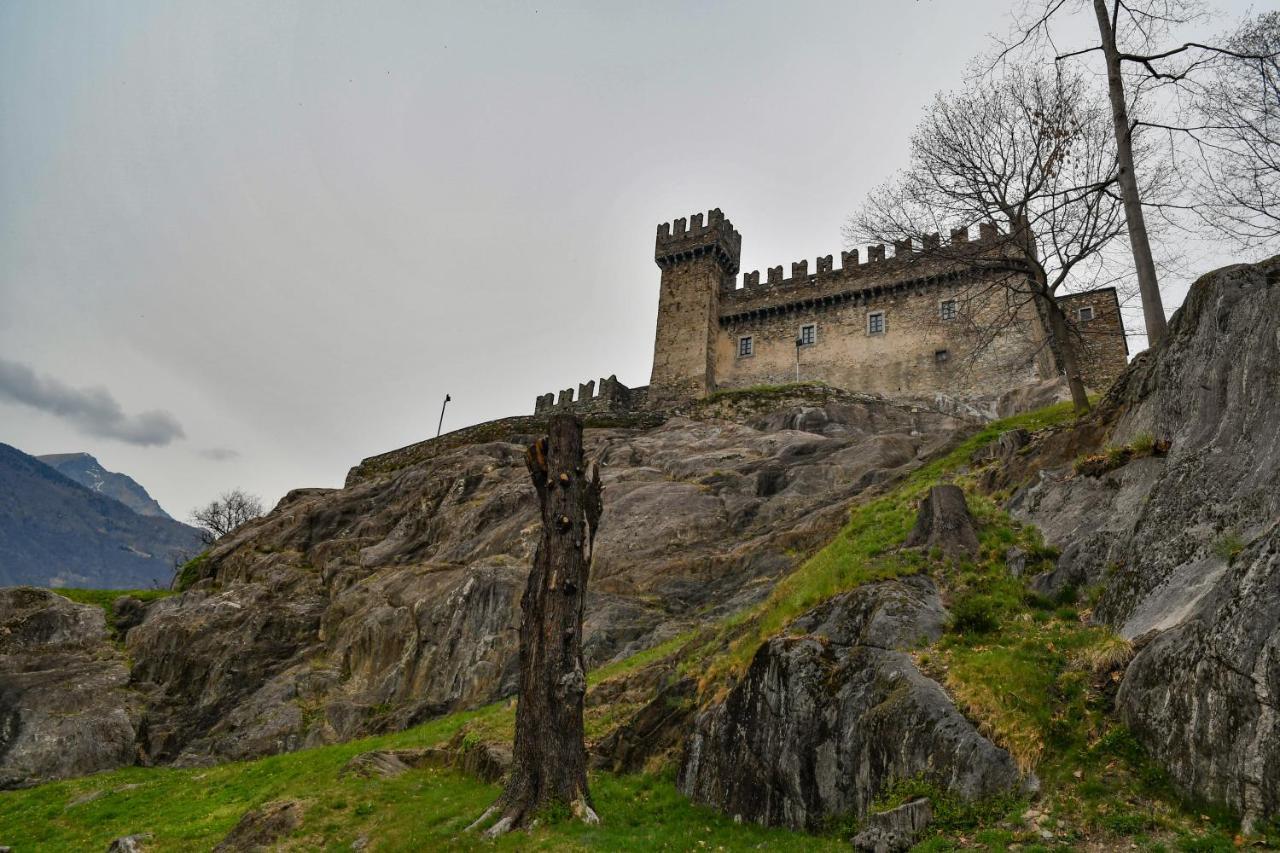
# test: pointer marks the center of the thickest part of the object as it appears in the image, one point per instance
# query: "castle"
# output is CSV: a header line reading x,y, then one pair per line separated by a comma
x,y
915,323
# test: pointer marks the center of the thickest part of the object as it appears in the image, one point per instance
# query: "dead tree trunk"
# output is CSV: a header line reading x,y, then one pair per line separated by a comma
x,y
550,761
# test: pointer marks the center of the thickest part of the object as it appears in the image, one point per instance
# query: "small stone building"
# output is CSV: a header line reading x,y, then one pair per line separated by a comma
x,y
922,320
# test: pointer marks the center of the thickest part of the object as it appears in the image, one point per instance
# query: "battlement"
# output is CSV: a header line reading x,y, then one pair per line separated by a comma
x,y
878,263
686,239
610,396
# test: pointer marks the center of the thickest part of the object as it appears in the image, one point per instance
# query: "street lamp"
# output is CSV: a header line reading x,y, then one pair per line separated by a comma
x,y
799,343
440,425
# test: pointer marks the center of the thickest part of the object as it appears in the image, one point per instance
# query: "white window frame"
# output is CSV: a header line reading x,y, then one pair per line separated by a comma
x,y
750,342
884,323
942,309
812,342
1080,314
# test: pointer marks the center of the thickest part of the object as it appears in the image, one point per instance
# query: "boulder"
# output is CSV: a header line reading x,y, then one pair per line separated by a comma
x,y
894,830
129,844
65,709
260,828
831,714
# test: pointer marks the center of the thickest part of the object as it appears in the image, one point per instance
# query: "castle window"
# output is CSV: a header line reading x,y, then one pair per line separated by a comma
x,y
746,348
947,309
875,323
1085,314
941,356
808,335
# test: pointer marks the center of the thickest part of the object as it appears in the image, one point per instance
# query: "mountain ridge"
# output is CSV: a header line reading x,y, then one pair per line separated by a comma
x,y
86,470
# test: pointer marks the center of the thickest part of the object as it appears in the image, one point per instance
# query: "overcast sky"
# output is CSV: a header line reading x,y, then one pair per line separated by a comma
x,y
249,243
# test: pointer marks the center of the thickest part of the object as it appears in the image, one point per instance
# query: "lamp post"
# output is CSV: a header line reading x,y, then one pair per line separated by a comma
x,y
440,425
799,343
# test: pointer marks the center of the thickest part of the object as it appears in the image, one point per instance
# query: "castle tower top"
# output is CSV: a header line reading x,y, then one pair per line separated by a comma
x,y
680,240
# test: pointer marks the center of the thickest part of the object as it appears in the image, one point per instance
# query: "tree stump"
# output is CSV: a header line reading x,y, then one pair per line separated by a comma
x,y
944,521
549,762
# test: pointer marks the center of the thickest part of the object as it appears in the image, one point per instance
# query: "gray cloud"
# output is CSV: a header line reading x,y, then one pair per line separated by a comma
x,y
93,411
220,454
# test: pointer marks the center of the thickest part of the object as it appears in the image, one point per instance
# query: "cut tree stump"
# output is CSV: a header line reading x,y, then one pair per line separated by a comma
x,y
944,522
549,760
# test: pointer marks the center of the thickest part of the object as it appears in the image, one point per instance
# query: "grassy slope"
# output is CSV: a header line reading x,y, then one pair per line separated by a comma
x,y
1030,672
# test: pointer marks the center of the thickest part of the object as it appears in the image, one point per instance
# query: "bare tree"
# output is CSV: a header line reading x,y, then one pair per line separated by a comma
x,y
1237,130
549,759
1032,155
223,515
1132,38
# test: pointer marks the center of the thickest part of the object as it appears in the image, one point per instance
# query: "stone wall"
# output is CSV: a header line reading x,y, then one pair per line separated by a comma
x,y
993,340
1102,347
989,343
610,396
698,262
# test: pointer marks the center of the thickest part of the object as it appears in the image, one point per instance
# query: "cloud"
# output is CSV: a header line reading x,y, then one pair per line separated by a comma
x,y
93,411
220,454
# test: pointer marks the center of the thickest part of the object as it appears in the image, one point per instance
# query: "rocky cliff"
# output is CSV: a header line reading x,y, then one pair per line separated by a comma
x,y
1183,547
395,599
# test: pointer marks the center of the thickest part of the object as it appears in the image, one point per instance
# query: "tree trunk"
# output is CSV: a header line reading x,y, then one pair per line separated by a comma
x,y
1148,285
550,761
1067,349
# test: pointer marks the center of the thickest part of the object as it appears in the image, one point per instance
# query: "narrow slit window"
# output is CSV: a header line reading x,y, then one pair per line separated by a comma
x,y
947,309
808,335
875,323
746,347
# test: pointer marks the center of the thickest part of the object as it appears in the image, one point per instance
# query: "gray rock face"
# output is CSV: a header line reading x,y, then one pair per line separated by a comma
x,y
64,707
374,607
829,715
895,830
1184,545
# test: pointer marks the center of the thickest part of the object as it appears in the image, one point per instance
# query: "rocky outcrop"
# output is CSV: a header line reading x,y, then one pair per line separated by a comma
x,y
65,709
259,829
396,599
834,712
1183,546
895,830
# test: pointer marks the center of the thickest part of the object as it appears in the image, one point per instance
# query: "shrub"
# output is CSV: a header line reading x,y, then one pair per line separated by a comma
x,y
1229,545
976,614
1143,444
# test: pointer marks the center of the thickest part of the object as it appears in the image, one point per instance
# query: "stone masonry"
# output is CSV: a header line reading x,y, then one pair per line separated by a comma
x,y
913,322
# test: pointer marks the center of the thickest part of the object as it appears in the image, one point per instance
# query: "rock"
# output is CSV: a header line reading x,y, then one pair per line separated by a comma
x,y
1184,546
1015,560
262,827
1031,397
389,763
895,830
129,844
371,608
656,729
834,712
127,612
64,705
944,522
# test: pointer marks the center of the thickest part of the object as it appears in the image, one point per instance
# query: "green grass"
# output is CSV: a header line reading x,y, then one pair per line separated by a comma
x,y
865,550
425,809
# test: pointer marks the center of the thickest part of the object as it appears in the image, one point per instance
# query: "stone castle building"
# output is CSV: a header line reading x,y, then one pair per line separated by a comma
x,y
913,323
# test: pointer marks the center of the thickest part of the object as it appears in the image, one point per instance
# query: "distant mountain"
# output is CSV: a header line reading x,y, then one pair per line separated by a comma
x,y
88,472
56,532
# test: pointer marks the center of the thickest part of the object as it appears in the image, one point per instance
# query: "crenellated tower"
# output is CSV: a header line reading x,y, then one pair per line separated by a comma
x,y
699,260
